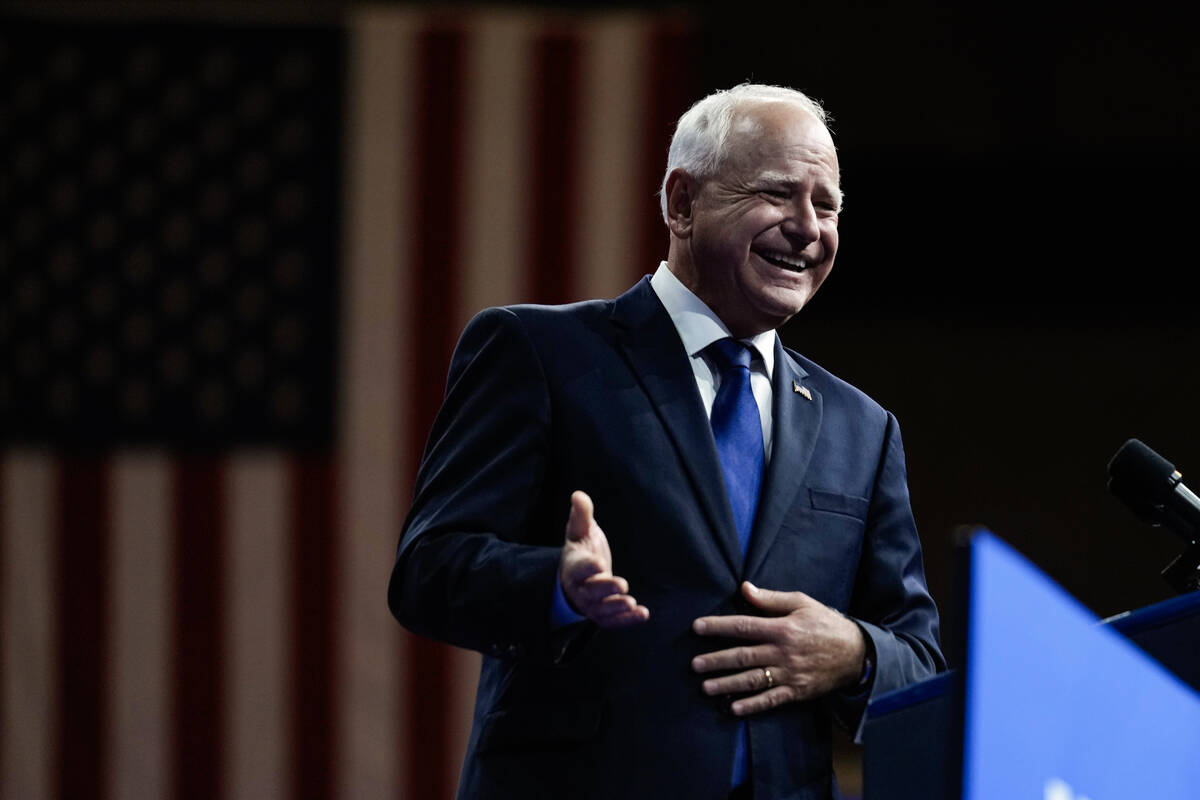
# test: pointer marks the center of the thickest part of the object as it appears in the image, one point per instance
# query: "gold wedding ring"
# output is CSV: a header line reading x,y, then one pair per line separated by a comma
x,y
767,675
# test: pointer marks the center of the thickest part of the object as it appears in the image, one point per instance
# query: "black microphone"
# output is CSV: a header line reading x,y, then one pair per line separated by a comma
x,y
1152,487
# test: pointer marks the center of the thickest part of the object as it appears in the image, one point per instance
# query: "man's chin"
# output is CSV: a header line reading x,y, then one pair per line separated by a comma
x,y
762,320
783,304
787,296
768,305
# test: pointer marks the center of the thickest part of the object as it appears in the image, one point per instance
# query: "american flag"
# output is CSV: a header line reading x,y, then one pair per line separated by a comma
x,y
234,259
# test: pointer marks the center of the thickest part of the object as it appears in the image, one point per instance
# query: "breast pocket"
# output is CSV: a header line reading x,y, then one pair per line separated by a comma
x,y
819,546
837,503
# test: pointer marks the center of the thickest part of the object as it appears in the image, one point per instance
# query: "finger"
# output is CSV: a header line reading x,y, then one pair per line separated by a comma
x,y
615,581
737,626
619,599
774,602
579,523
737,658
764,701
752,680
613,606
635,616
623,609
598,588
609,607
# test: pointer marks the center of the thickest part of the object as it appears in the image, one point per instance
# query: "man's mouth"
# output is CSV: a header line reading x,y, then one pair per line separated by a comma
x,y
784,260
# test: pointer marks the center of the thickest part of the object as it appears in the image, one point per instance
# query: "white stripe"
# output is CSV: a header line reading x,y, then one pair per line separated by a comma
x,y
28,667
141,618
259,575
614,66
493,231
372,753
497,162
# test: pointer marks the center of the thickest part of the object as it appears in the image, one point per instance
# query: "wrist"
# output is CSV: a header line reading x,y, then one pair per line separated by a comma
x,y
562,610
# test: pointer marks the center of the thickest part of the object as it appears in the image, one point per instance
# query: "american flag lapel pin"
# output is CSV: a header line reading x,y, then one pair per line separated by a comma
x,y
802,391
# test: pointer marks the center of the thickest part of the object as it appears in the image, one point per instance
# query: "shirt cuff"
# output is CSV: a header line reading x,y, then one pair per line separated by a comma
x,y
863,687
561,613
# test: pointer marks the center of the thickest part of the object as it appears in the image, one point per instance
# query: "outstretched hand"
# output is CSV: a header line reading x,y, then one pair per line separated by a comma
x,y
804,650
586,572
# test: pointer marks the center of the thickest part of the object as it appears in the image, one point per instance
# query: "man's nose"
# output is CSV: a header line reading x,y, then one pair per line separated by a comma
x,y
801,224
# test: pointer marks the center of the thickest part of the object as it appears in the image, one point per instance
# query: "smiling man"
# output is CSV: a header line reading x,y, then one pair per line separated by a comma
x,y
740,566
756,239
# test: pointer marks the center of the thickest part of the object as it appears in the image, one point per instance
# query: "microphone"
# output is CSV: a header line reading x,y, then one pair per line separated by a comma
x,y
1152,487
1154,490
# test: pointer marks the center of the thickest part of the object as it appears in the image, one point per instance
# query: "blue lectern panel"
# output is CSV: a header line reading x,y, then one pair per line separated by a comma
x,y
1061,709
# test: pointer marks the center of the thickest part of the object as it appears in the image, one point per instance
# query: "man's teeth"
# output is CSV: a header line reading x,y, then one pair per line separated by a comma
x,y
795,263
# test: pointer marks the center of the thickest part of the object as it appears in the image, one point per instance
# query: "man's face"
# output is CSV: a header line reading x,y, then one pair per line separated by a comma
x,y
763,231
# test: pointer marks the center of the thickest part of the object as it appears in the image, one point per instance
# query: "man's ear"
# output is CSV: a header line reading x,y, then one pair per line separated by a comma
x,y
681,194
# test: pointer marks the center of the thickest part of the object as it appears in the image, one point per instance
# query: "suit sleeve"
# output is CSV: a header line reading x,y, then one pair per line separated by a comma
x,y
891,602
477,562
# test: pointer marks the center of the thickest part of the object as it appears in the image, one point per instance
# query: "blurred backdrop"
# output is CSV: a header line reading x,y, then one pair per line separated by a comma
x,y
238,242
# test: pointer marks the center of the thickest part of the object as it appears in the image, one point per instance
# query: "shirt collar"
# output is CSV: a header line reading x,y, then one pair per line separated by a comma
x,y
698,326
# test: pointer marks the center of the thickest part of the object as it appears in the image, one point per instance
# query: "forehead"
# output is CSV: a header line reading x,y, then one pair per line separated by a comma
x,y
780,137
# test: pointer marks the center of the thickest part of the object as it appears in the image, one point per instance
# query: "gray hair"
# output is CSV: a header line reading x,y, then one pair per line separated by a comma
x,y
699,143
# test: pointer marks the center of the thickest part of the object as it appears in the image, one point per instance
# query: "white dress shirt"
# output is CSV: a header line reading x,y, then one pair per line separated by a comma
x,y
699,327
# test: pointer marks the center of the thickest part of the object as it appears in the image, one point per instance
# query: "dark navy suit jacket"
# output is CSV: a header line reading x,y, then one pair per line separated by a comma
x,y
600,396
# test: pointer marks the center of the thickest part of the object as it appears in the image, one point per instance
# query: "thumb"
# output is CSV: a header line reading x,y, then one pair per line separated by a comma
x,y
580,521
772,601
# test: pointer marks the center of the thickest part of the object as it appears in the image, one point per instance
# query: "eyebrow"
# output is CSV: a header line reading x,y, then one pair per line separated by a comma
x,y
784,179
781,178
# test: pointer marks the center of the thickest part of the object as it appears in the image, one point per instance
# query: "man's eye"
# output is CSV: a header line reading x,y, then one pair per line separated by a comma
x,y
782,194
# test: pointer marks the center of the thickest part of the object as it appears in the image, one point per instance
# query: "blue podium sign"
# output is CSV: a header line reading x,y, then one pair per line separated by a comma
x,y
1059,708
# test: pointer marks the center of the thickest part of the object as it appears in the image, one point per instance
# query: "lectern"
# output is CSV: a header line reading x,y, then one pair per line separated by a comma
x,y
1051,703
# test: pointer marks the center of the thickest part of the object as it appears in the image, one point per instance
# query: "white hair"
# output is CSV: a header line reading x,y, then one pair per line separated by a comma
x,y
702,133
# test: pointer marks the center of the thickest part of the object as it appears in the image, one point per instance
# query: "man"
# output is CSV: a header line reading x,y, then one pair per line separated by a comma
x,y
758,512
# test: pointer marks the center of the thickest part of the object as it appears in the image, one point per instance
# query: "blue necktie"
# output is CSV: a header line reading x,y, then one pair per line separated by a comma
x,y
737,429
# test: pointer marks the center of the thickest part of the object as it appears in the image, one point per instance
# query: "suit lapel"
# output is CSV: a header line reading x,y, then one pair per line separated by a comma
x,y
652,346
797,421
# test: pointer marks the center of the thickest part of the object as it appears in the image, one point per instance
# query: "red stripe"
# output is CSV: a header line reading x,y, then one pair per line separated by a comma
x,y
313,491
82,547
5,634
437,213
199,651
670,90
437,226
554,140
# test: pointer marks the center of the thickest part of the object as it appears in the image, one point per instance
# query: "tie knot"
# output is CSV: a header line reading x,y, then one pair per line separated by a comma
x,y
729,353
